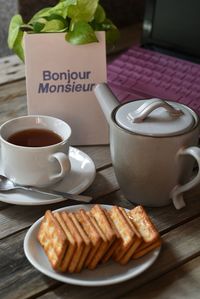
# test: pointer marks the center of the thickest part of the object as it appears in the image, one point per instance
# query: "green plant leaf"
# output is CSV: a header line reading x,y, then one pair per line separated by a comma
x,y
62,7
18,45
53,26
26,27
79,18
14,29
39,25
59,9
82,34
60,26
40,14
84,10
99,15
55,16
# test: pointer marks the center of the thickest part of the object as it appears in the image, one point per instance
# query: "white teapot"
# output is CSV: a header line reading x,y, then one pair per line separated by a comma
x,y
153,147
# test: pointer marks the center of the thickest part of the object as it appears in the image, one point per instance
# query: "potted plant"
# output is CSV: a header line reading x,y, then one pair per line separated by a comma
x,y
65,56
79,19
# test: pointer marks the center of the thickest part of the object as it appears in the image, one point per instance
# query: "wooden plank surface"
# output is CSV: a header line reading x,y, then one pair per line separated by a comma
x,y
11,218
175,274
164,218
11,91
20,280
11,69
181,283
13,101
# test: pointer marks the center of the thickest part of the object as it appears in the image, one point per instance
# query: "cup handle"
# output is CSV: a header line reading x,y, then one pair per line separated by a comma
x,y
177,192
65,165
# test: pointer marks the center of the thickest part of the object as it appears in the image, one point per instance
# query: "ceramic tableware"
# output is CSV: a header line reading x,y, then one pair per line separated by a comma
x,y
8,185
153,147
81,176
105,274
40,165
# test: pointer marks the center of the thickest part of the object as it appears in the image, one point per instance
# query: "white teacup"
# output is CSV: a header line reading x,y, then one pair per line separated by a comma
x,y
35,165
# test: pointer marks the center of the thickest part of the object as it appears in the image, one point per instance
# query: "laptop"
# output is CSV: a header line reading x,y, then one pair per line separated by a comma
x,y
166,63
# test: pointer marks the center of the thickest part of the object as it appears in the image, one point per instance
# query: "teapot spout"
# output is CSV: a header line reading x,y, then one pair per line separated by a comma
x,y
106,99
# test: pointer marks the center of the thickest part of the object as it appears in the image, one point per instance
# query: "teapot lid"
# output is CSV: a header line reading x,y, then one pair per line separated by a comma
x,y
155,117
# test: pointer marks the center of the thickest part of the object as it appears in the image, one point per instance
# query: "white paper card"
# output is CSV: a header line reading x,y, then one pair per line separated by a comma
x,y
59,80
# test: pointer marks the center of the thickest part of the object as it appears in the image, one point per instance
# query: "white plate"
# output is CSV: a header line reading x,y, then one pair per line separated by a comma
x,y
81,176
105,274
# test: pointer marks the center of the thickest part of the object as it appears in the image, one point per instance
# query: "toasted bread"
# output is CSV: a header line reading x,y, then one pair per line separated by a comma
x,y
53,239
131,223
126,233
94,236
101,218
143,224
147,230
82,239
107,227
142,251
103,246
137,240
71,243
79,242
128,255
115,244
86,240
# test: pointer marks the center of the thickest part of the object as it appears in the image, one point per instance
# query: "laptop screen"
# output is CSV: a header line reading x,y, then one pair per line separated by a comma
x,y
173,25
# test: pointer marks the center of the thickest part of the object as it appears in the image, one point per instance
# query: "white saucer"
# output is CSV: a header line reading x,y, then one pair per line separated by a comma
x,y
78,180
105,274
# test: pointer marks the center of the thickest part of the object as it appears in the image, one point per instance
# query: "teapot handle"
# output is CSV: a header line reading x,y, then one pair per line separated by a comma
x,y
177,192
145,109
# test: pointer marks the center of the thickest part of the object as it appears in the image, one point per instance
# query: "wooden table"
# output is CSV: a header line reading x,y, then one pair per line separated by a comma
x,y
175,274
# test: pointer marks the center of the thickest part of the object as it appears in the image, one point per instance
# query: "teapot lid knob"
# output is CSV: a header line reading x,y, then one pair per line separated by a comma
x,y
145,109
155,117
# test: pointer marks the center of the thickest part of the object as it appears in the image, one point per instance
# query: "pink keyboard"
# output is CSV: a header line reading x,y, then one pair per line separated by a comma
x,y
141,73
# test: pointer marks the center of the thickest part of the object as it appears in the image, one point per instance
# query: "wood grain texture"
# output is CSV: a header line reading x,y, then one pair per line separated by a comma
x,y
12,101
175,251
16,271
20,280
11,69
99,154
165,218
181,283
12,90
11,219
175,274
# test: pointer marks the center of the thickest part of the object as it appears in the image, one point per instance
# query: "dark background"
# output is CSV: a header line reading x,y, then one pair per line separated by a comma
x,y
123,13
